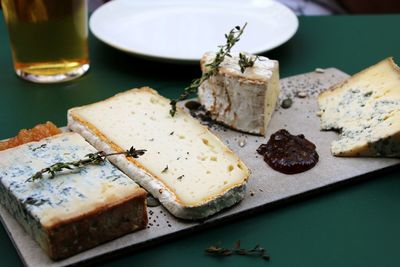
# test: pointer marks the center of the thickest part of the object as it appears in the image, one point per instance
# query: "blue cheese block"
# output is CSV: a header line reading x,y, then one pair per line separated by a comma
x,y
75,210
365,109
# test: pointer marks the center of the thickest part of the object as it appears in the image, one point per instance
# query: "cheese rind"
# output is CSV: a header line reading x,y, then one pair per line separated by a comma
x,y
366,110
75,210
242,101
186,167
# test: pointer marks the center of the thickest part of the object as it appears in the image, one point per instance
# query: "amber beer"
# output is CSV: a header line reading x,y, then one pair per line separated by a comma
x,y
48,38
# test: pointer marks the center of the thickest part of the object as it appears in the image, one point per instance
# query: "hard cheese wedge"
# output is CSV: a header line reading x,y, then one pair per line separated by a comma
x,y
366,111
186,167
75,210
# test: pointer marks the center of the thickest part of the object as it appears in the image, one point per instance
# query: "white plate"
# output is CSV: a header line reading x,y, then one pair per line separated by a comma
x,y
182,30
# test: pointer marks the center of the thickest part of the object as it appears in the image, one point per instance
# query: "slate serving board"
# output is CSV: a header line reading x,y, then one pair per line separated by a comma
x,y
266,187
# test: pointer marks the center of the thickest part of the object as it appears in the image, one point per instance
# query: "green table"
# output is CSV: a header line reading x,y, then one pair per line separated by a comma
x,y
355,225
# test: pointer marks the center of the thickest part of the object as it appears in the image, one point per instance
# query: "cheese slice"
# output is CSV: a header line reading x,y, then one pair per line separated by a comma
x,y
186,167
366,110
242,101
75,210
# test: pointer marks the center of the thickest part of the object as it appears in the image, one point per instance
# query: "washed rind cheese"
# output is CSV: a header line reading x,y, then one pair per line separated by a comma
x,y
186,167
242,101
75,210
366,110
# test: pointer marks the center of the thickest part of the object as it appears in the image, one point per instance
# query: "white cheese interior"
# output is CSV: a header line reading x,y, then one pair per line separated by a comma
x,y
69,194
181,153
366,109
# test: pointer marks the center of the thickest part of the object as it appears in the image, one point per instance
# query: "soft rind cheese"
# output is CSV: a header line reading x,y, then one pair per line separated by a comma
x,y
186,167
49,206
243,101
366,110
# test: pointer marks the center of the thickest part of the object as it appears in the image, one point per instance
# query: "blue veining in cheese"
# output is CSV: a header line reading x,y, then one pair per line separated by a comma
x,y
68,194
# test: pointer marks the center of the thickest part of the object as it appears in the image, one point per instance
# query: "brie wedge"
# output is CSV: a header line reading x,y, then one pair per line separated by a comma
x,y
186,167
242,101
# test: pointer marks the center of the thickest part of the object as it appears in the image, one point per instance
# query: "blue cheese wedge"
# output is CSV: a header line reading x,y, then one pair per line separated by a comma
x,y
243,101
75,210
186,167
366,110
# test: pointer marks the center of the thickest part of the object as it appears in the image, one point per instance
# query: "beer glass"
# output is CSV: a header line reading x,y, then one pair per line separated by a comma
x,y
48,38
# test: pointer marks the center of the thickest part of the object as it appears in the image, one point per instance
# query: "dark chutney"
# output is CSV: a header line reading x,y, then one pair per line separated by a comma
x,y
288,153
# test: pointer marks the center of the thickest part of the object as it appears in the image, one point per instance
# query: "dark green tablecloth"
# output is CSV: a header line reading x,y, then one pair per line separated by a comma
x,y
356,225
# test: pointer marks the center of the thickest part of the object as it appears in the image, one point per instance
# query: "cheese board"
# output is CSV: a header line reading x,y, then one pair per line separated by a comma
x,y
266,187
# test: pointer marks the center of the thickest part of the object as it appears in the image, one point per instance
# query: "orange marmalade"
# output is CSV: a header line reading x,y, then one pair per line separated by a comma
x,y
37,133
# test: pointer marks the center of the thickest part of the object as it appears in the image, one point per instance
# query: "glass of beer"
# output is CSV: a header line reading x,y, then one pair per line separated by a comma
x,y
48,38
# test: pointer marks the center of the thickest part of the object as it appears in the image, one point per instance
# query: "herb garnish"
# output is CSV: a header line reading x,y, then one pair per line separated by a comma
x,y
237,250
36,148
287,103
92,158
165,169
224,50
246,62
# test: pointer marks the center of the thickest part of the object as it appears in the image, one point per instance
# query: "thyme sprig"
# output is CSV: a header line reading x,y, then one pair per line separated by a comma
x,y
246,62
237,250
89,159
213,67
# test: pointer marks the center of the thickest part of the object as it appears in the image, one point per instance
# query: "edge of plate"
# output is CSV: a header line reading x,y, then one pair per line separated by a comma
x,y
180,60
